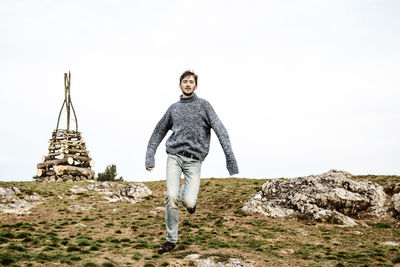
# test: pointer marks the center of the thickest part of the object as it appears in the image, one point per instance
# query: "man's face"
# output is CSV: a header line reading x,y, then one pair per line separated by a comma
x,y
188,85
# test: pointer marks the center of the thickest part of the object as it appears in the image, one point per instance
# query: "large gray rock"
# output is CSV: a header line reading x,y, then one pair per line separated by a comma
x,y
101,187
115,192
9,193
10,203
331,195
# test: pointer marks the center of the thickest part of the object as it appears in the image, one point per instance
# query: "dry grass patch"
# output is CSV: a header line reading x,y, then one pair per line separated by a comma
x,y
125,234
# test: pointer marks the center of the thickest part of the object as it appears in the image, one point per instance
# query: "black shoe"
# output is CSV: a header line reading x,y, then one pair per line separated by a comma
x,y
191,210
167,247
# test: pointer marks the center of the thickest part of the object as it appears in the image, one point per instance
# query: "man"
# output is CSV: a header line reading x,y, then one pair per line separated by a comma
x,y
190,120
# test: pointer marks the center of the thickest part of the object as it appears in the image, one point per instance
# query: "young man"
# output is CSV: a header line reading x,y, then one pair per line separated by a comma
x,y
190,120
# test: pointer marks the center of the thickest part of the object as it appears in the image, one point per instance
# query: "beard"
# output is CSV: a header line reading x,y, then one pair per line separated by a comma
x,y
187,94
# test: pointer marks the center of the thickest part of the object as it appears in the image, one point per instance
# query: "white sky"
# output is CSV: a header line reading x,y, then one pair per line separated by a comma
x,y
301,86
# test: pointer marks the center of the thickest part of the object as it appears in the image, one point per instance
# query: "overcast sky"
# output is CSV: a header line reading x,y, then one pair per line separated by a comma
x,y
301,86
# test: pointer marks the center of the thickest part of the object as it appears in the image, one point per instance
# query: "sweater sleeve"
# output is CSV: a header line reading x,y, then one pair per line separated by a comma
x,y
162,127
223,138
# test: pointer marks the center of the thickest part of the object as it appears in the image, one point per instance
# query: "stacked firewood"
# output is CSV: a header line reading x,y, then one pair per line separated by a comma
x,y
68,159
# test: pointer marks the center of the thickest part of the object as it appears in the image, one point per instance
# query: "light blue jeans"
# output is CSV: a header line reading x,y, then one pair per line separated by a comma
x,y
176,165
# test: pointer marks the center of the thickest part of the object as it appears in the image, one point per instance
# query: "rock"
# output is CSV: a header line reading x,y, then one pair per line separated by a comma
x,y
103,186
193,257
286,251
209,262
157,210
32,198
396,188
391,243
331,196
18,206
302,232
131,193
78,208
136,191
228,218
116,191
396,202
9,193
14,205
258,206
77,189
257,197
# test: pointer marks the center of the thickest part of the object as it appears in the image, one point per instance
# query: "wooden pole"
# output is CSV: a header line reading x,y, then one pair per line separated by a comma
x,y
67,82
68,103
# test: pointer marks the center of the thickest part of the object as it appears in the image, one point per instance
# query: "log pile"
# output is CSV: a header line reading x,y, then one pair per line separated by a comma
x,y
68,159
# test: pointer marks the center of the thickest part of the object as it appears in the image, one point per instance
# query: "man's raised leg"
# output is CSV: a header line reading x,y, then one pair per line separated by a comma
x,y
190,190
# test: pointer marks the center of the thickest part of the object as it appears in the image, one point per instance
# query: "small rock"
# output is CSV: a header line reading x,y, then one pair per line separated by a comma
x,y
112,199
32,198
302,232
396,202
157,210
209,262
78,208
228,218
286,251
390,243
77,189
192,257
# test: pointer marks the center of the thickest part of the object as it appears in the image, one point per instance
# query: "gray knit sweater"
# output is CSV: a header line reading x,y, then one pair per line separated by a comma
x,y
190,120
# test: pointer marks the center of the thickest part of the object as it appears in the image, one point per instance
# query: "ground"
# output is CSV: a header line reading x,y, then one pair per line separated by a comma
x,y
126,234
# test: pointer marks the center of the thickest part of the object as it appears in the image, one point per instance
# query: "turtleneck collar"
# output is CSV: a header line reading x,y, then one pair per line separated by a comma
x,y
188,99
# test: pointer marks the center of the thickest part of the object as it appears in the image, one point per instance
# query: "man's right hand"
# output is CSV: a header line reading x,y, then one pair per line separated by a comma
x,y
149,169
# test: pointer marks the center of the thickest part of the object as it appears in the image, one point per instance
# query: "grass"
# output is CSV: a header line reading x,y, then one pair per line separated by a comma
x,y
54,236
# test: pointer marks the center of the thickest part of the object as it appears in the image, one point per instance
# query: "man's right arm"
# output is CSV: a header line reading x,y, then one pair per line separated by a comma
x,y
162,127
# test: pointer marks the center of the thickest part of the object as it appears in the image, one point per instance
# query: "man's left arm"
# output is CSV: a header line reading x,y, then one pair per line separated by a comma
x,y
223,138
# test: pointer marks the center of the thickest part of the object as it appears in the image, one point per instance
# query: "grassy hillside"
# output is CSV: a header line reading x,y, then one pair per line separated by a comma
x,y
125,234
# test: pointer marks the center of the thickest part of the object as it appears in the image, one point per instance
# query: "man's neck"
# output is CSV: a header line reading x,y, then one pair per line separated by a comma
x,y
188,99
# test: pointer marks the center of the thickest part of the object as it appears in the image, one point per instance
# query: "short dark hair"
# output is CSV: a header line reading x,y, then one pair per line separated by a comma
x,y
186,74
